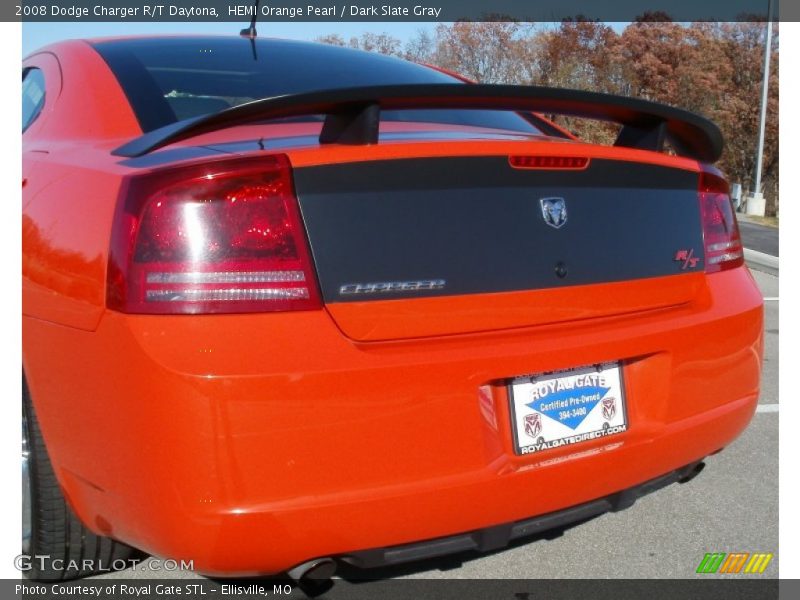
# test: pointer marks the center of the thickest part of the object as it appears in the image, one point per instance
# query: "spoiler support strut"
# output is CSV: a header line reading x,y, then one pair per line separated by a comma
x,y
356,126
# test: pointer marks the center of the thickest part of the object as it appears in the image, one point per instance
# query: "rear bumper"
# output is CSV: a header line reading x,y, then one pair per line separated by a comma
x,y
250,444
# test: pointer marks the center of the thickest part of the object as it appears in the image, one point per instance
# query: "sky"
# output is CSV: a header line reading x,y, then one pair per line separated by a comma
x,y
36,35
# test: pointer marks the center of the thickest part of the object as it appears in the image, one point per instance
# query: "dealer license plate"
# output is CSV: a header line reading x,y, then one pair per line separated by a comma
x,y
557,409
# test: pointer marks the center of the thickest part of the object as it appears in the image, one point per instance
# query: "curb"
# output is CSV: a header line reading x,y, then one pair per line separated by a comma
x,y
761,261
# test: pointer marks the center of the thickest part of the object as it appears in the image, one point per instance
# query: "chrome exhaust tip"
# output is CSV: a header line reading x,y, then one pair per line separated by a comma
x,y
317,570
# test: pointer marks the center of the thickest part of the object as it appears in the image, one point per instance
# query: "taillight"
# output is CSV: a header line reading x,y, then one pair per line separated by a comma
x,y
723,246
221,237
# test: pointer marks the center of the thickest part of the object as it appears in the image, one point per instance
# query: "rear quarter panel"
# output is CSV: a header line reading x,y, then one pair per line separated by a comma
x,y
70,186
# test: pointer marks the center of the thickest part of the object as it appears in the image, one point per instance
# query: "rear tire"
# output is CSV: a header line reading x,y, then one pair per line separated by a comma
x,y
49,527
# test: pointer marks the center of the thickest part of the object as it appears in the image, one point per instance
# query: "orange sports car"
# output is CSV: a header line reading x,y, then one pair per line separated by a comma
x,y
286,305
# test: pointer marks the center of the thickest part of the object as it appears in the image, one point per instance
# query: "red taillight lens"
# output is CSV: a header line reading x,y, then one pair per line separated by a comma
x,y
222,237
572,163
723,246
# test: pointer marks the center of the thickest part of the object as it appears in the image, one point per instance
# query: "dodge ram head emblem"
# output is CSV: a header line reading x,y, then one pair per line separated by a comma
x,y
533,424
554,211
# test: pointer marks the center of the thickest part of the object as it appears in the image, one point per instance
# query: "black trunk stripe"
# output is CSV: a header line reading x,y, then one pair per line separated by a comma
x,y
476,223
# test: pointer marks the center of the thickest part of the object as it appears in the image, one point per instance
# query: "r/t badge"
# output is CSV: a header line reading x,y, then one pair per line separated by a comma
x,y
686,257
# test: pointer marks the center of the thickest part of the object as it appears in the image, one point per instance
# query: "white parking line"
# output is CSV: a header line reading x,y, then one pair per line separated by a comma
x,y
770,298
767,408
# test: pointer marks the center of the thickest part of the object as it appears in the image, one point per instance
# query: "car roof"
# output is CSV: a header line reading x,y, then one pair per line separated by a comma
x,y
265,43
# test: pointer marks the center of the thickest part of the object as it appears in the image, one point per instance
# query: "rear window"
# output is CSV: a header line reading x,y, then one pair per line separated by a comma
x,y
171,79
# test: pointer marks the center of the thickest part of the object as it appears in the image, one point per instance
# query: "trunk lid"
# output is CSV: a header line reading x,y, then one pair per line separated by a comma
x,y
435,246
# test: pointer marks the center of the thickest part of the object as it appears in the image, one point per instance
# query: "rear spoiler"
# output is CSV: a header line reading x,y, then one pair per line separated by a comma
x,y
353,115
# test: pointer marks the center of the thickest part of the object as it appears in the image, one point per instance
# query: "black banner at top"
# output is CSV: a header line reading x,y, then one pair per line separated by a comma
x,y
396,10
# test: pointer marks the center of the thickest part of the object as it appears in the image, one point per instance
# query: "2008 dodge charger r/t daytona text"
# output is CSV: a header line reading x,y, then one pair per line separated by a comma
x,y
287,305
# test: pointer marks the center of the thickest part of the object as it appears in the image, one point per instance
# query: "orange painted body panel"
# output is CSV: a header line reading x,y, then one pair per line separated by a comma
x,y
250,443
422,317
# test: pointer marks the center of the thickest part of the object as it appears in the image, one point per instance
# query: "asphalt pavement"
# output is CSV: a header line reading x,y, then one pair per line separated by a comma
x,y
732,506
758,237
